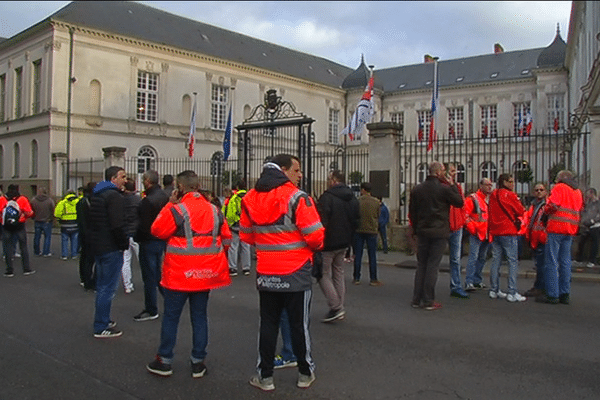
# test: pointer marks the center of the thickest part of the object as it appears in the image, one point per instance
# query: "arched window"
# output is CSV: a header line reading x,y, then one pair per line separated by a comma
x,y
421,172
247,111
216,164
146,159
16,160
522,172
488,170
186,109
34,158
460,172
95,97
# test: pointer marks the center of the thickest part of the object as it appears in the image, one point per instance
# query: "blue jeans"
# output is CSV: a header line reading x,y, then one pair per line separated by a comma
x,y
108,271
540,268
477,256
45,228
508,246
173,305
383,234
454,244
359,243
65,237
287,353
558,265
151,253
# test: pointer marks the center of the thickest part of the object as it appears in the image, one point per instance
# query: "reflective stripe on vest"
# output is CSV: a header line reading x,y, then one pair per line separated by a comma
x,y
566,215
214,248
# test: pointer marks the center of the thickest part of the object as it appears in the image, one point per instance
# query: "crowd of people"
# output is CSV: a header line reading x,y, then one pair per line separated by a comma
x,y
496,219
189,242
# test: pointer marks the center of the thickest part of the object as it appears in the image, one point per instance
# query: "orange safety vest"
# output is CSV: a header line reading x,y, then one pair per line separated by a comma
x,y
535,230
284,226
476,215
197,242
563,209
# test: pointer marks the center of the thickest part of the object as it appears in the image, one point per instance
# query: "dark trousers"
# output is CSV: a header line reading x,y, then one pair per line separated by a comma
x,y
297,305
429,255
86,265
9,238
593,236
151,255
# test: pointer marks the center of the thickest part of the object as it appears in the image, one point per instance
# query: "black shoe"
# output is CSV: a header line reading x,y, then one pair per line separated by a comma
x,y
564,298
108,333
246,272
159,368
9,274
232,272
546,299
145,316
198,369
30,272
332,315
459,293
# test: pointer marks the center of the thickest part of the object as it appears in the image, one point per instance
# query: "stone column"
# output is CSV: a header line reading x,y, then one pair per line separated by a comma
x,y
114,156
59,168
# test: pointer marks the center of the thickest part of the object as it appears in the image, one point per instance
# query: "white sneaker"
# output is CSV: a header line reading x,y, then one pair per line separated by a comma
x,y
497,295
590,265
515,298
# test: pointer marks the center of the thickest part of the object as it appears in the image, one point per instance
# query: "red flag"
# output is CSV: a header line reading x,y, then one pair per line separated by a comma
x,y
556,125
191,138
434,105
528,123
452,133
420,132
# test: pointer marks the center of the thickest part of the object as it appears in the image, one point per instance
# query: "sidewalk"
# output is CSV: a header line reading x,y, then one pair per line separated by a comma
x,y
526,267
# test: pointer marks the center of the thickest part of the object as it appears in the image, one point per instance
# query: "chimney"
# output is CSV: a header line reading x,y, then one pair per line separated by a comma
x,y
428,59
498,48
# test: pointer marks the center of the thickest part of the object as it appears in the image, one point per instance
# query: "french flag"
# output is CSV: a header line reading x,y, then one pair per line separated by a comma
x,y
434,106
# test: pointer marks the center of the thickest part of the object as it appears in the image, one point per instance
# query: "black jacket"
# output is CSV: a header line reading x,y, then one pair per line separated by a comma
x,y
148,209
429,207
107,219
340,215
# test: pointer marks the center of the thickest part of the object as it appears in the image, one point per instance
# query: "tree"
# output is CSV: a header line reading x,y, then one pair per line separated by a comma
x,y
556,168
356,177
236,177
524,175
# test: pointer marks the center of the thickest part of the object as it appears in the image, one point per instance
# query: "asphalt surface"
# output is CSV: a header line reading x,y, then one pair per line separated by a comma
x,y
384,349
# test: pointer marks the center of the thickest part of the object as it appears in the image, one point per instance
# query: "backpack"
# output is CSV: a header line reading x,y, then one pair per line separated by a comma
x,y
11,215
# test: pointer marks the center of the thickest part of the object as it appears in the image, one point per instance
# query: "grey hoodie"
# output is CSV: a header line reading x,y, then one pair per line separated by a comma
x,y
43,207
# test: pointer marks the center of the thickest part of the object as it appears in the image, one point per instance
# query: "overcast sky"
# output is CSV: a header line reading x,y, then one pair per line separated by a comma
x,y
387,33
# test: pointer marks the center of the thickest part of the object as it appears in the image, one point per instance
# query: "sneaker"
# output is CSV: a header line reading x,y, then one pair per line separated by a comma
x,y
159,368
47,255
129,290
304,381
279,362
8,274
198,370
415,305
479,286
356,282
145,316
590,265
497,295
30,272
459,293
111,324
375,283
232,272
514,298
108,333
564,298
17,254
469,287
64,258
265,384
433,306
332,315
246,272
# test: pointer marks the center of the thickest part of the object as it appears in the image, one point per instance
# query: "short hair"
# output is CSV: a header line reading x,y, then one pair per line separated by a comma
x,y
42,190
503,178
338,176
130,185
284,160
366,186
89,188
112,172
189,180
152,176
240,185
167,180
435,167
13,191
564,175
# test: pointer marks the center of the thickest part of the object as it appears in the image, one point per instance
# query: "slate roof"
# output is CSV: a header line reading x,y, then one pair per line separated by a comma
x,y
143,22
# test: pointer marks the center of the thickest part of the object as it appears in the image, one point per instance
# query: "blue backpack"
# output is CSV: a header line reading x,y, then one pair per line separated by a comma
x,y
11,215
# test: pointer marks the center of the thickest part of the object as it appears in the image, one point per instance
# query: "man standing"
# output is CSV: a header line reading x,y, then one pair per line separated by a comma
x,y
168,184
457,221
476,220
132,201
66,214
282,222
562,213
384,219
43,213
151,247
536,236
107,231
589,228
239,252
429,214
194,265
15,209
366,232
86,258
339,212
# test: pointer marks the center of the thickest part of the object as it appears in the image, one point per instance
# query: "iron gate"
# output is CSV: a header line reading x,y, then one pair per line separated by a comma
x,y
272,128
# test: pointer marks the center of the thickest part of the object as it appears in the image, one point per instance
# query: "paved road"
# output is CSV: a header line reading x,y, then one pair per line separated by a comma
x,y
471,349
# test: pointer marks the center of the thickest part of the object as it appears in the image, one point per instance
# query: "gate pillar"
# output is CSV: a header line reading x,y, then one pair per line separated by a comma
x,y
113,156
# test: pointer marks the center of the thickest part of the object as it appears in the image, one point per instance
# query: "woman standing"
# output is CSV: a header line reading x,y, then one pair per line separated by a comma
x,y
505,211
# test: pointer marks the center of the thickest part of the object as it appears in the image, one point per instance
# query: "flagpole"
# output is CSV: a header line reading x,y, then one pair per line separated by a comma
x,y
192,136
231,111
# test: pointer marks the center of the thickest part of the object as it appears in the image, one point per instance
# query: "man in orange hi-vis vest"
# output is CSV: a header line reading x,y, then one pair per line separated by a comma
x,y
282,222
562,212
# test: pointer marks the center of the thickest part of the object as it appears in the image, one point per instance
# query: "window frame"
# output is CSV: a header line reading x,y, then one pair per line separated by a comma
x,y
333,126
219,100
147,95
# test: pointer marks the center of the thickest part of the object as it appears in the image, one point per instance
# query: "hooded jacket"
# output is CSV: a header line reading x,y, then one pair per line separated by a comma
x,y
340,215
562,209
66,212
502,223
282,222
107,219
43,208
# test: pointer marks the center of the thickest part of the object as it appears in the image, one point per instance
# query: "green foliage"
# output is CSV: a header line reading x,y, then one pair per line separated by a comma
x,y
556,168
524,175
236,178
356,177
